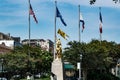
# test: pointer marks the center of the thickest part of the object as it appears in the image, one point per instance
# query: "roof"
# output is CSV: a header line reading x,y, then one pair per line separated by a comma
x,y
68,66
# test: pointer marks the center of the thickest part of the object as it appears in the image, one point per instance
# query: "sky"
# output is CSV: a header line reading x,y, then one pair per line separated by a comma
x,y
14,19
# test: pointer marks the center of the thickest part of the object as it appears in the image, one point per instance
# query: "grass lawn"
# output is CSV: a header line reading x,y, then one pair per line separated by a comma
x,y
38,79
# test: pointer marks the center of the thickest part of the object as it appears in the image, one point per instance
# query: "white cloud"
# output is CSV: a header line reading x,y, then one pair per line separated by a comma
x,y
107,3
104,3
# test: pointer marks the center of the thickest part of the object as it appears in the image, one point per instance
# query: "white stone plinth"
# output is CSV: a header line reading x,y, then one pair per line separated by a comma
x,y
57,69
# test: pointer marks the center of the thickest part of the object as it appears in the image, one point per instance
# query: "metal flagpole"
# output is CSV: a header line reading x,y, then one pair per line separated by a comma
x,y
29,21
100,37
79,39
79,23
55,32
29,33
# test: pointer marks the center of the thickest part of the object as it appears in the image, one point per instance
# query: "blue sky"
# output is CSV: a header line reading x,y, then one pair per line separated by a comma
x,y
14,19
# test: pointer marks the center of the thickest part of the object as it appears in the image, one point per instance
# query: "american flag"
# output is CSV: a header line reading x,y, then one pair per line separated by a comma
x,y
31,12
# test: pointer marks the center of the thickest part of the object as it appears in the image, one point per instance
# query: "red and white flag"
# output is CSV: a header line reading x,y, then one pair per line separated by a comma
x,y
101,23
82,21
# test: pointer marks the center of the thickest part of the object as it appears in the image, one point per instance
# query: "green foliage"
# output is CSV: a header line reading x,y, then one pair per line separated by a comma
x,y
116,1
93,1
42,78
72,53
39,79
100,75
95,54
25,58
15,61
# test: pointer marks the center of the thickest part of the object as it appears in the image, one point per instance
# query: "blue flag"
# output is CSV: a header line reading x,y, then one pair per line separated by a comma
x,y
60,16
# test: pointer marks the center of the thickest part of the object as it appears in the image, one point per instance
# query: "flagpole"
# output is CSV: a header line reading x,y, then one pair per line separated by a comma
x,y
29,22
29,35
55,37
100,37
79,36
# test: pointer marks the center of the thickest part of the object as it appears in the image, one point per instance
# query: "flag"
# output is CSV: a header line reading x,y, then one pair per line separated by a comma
x,y
31,12
63,34
60,16
100,17
82,21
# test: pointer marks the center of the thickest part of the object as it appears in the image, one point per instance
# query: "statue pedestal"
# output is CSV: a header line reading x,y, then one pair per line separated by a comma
x,y
57,69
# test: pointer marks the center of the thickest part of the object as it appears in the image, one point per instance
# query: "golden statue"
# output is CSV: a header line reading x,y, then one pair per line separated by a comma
x,y
58,49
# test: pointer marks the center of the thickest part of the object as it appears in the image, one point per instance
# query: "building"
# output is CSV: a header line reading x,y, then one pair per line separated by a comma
x,y
4,49
9,41
47,45
5,36
8,37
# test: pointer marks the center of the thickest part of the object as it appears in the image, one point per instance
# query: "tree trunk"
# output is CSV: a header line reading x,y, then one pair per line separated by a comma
x,y
85,74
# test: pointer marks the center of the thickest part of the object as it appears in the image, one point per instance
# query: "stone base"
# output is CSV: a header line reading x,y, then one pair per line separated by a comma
x,y
57,69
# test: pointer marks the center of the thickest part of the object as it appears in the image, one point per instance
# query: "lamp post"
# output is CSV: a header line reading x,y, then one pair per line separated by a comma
x,y
117,68
80,67
2,66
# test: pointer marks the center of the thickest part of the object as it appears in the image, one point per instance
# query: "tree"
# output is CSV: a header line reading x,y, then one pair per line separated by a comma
x,y
93,1
72,53
20,61
96,55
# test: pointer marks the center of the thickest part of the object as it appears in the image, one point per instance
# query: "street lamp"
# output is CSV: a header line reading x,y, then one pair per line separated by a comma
x,y
2,66
80,67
